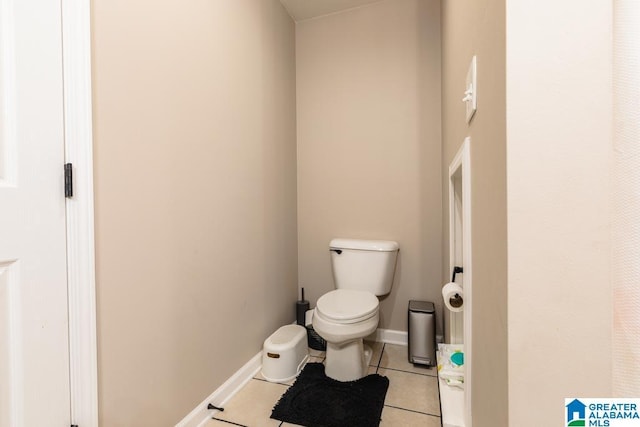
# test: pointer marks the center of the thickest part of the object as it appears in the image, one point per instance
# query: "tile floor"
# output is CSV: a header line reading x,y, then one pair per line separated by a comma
x,y
412,398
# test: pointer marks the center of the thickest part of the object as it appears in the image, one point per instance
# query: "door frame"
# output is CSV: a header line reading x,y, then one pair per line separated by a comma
x,y
462,163
76,57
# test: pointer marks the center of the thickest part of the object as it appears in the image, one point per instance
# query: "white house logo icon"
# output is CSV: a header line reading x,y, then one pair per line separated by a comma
x,y
576,413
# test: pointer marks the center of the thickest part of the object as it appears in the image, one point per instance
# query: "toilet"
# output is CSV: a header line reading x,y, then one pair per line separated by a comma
x,y
362,271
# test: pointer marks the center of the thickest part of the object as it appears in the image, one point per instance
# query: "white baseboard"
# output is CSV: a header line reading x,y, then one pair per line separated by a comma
x,y
201,415
390,336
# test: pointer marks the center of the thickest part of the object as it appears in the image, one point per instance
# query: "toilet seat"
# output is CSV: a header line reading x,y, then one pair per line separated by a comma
x,y
346,306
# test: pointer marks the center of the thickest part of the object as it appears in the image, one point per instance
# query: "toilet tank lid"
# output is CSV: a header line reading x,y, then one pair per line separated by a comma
x,y
364,245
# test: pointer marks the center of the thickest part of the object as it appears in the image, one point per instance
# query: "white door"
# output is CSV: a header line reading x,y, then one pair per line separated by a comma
x,y
34,355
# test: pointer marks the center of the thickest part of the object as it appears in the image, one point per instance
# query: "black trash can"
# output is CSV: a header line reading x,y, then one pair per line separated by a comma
x,y
422,333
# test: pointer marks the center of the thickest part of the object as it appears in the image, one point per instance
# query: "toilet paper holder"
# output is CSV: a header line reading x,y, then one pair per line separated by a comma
x,y
456,301
456,270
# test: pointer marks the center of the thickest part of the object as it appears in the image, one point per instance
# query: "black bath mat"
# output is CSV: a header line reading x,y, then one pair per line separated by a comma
x,y
316,400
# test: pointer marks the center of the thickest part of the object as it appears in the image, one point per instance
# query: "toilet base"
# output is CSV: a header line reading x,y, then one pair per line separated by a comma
x,y
347,361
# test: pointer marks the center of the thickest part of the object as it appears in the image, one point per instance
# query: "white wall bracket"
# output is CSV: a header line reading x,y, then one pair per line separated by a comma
x,y
471,90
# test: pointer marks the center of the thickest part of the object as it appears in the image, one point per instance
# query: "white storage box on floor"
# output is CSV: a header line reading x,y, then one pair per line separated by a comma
x,y
284,353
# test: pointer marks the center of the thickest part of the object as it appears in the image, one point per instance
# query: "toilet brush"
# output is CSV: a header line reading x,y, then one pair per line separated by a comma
x,y
301,309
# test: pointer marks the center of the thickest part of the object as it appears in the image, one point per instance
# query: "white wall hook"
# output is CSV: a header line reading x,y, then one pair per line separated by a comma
x,y
471,92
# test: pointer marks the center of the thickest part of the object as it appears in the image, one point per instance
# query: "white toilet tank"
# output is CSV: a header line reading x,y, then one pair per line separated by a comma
x,y
365,265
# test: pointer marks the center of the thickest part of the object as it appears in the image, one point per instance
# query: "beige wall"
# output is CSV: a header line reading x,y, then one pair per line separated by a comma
x,y
477,27
195,174
625,235
559,131
195,163
546,152
368,95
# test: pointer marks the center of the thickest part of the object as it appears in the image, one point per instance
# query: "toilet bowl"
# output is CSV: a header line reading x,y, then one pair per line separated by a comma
x,y
362,271
343,318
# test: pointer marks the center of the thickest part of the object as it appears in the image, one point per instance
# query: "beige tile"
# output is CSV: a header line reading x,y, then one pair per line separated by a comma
x,y
317,353
396,357
259,375
412,391
216,423
377,349
418,394
253,404
316,359
393,417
